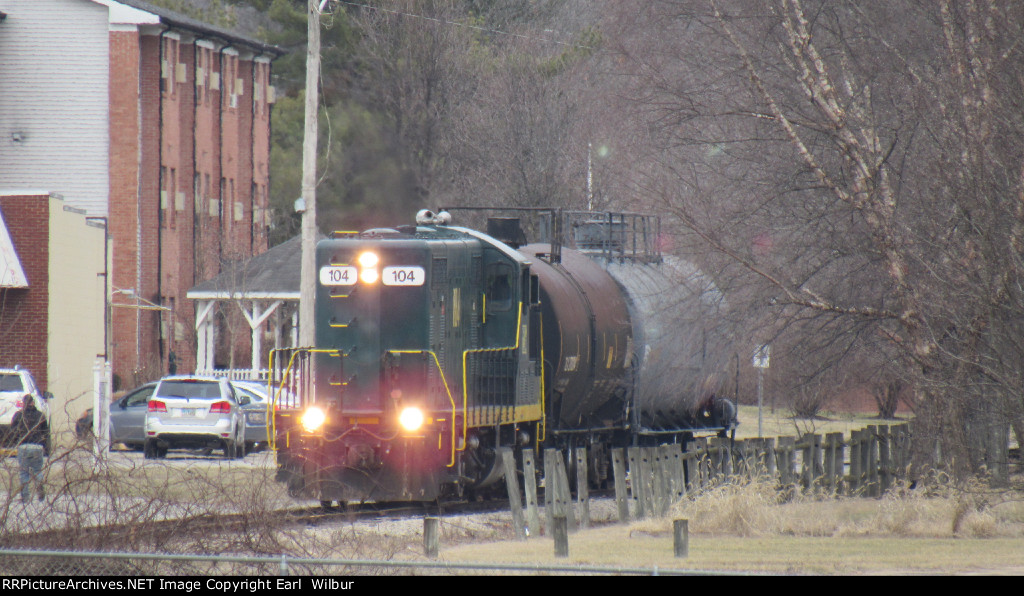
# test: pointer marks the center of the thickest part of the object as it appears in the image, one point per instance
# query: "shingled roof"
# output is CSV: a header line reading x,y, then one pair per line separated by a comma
x,y
177,20
272,275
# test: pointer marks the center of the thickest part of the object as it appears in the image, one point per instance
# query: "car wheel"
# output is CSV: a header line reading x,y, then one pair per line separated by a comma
x,y
240,450
149,451
230,449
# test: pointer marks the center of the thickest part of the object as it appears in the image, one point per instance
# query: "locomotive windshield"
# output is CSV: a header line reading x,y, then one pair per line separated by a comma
x,y
499,286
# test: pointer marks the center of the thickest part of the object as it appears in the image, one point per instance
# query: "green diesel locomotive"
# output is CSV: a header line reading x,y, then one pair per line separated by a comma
x,y
437,344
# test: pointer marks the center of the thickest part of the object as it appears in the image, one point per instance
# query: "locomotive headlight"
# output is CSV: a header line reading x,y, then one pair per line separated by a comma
x,y
411,418
368,260
369,276
313,419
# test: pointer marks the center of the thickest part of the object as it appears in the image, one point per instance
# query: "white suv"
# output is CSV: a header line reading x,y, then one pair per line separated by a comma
x,y
195,412
14,384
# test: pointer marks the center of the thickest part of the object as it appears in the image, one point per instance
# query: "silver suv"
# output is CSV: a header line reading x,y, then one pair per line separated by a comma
x,y
14,384
195,412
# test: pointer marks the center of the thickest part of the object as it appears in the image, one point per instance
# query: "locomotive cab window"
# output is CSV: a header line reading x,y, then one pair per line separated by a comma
x,y
499,284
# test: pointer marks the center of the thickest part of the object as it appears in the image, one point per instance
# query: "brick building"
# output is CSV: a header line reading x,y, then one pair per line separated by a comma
x,y
52,288
156,122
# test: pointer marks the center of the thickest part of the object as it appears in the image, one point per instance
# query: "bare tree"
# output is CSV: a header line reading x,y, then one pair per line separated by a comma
x,y
861,161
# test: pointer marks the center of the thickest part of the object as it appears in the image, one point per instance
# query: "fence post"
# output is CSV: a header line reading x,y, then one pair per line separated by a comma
x,y
902,449
676,472
884,460
582,487
787,461
768,457
636,482
556,487
646,479
560,532
834,462
530,487
699,463
681,537
431,536
619,471
854,484
872,460
726,456
564,493
508,461
662,479
740,458
807,462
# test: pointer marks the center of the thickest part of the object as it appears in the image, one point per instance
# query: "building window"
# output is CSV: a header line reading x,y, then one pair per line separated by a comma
x,y
169,65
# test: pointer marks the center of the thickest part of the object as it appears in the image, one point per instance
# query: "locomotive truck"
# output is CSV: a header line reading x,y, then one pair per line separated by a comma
x,y
437,344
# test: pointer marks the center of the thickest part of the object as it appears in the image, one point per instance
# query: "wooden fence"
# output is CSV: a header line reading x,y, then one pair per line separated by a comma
x,y
648,480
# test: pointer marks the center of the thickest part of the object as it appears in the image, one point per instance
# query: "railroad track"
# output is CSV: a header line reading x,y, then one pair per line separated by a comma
x,y
283,518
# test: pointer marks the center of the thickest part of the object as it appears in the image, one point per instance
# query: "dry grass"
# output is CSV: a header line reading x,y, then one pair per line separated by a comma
x,y
748,527
781,422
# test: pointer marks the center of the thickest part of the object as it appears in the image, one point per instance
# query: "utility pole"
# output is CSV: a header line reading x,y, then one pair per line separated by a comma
x,y
307,284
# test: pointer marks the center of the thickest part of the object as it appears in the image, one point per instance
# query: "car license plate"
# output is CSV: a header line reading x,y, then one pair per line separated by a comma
x,y
188,412
257,418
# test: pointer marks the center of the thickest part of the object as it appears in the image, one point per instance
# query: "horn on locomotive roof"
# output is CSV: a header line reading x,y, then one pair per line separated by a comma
x,y
426,217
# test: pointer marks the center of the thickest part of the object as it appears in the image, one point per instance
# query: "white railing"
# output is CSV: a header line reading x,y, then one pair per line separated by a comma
x,y
236,374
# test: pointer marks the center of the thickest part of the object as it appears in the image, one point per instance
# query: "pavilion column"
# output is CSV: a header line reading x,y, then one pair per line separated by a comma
x,y
206,335
256,316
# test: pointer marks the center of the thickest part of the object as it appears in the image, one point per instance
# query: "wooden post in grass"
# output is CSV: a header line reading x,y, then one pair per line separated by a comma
x,y
833,464
808,464
660,481
552,503
515,504
690,471
530,487
884,460
565,496
768,457
560,532
647,477
681,537
674,465
853,482
873,460
582,487
699,464
621,494
725,451
787,461
431,536
636,482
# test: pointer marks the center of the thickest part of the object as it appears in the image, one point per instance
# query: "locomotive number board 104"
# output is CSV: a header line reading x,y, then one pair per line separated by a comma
x,y
334,275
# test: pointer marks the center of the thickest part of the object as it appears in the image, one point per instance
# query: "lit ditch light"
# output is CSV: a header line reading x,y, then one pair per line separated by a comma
x,y
312,420
411,418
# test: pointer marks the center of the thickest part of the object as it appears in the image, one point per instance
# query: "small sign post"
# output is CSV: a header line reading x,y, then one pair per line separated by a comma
x,y
761,357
